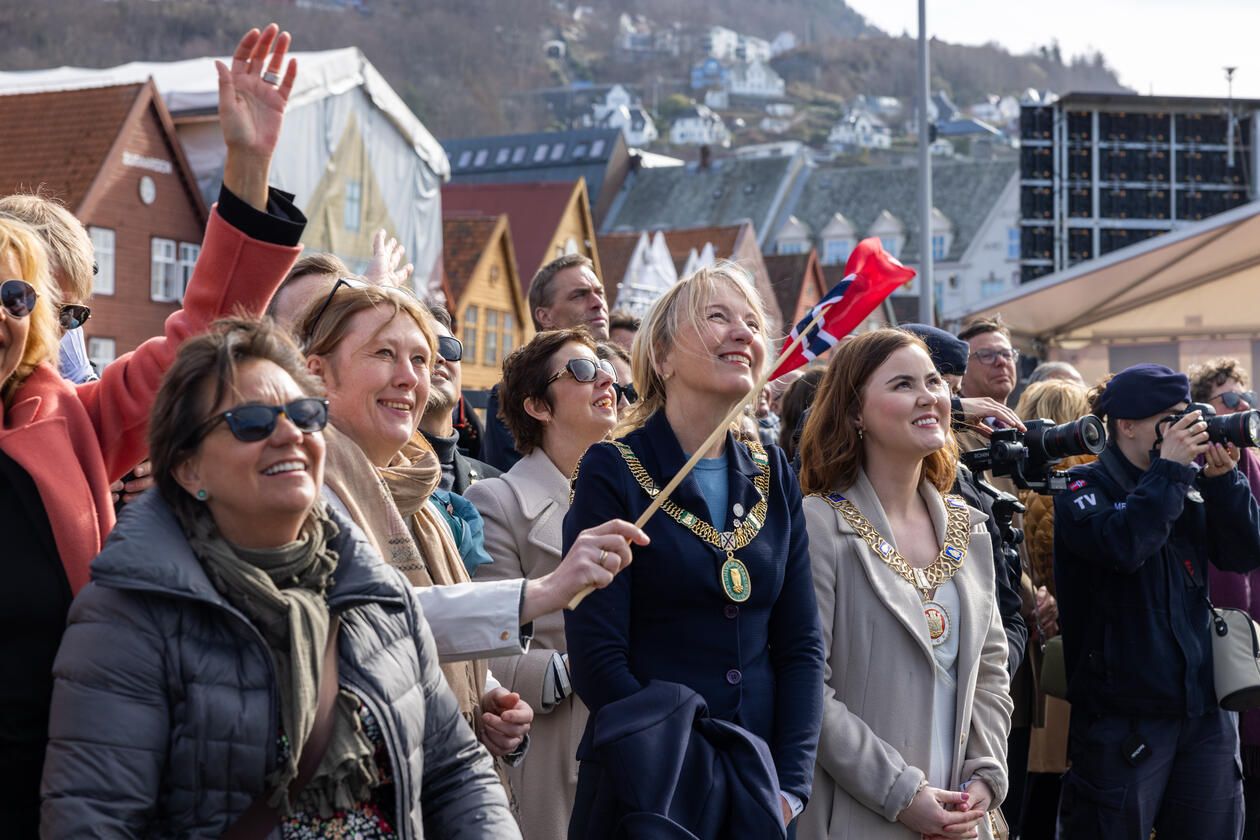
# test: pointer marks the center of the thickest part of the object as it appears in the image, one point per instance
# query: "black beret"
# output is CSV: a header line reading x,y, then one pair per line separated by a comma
x,y
1143,391
948,352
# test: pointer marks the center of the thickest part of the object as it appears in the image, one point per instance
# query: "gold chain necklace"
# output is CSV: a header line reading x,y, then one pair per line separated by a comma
x,y
734,577
945,566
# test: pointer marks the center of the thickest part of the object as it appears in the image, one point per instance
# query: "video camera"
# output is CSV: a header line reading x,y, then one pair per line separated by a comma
x,y
1241,428
1028,457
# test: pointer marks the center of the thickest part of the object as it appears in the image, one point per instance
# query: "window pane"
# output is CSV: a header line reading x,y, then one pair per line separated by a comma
x,y
501,156
188,254
354,205
103,245
518,154
465,157
597,148
557,151
492,337
540,154
469,336
101,351
480,160
163,278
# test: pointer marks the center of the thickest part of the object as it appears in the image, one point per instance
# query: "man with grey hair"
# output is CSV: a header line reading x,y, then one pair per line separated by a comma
x,y
1055,370
565,293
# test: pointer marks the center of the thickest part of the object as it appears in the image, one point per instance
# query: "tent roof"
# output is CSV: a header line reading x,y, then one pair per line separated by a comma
x,y
192,86
1166,277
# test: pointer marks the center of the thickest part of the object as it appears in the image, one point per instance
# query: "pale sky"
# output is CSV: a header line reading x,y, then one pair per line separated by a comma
x,y
1166,47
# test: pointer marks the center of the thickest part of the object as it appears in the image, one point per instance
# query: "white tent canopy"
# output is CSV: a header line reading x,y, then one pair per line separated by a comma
x,y
1199,281
332,88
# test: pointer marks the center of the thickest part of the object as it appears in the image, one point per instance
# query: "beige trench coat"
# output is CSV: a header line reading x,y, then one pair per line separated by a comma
x,y
876,737
523,512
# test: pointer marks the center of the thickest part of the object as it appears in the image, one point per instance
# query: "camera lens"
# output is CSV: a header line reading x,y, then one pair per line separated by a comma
x,y
1079,437
1241,428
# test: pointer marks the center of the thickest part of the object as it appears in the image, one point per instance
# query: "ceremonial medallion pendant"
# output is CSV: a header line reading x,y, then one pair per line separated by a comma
x,y
735,581
937,622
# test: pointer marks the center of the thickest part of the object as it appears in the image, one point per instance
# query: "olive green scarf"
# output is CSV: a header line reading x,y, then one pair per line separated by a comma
x,y
282,592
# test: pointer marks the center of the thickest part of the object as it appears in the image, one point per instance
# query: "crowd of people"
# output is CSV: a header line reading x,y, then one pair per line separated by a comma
x,y
338,603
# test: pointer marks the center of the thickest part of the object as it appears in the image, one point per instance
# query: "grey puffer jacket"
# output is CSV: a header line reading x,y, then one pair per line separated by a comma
x,y
164,714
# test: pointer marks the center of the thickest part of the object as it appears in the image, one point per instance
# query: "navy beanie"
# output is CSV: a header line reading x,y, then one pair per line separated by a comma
x,y
1143,391
948,352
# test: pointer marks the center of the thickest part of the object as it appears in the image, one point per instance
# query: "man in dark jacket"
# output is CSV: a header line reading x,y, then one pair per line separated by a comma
x,y
1149,745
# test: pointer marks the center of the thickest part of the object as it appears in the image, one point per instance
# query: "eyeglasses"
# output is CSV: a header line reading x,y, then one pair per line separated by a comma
x,y
626,391
450,348
255,422
18,297
585,370
1232,399
990,357
74,315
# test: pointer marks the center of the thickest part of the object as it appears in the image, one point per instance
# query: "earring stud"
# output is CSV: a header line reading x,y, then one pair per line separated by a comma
x,y
202,495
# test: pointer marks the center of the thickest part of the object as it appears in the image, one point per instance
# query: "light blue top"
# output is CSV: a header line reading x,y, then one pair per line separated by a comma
x,y
711,474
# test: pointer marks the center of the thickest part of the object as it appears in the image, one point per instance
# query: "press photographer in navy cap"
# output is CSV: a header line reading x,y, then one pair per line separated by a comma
x,y
1149,746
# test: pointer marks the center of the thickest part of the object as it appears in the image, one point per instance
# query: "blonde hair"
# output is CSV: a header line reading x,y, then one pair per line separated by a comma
x,y
831,449
326,321
1058,400
69,248
680,308
42,335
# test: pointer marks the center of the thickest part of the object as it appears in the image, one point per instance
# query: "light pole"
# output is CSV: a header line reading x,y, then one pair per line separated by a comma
x,y
927,308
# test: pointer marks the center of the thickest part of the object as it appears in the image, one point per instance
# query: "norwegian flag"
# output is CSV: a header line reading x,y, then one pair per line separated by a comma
x,y
871,274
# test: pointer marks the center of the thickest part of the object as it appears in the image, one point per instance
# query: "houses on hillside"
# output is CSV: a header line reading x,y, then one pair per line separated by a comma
x,y
698,125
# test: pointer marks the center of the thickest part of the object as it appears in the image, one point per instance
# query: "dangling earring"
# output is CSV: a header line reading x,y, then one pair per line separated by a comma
x,y
202,495
859,430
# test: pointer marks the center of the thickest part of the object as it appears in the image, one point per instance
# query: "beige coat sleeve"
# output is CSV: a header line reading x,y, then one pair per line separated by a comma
x,y
866,766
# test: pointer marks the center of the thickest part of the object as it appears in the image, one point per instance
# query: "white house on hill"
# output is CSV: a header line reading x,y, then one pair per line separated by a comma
x,y
699,126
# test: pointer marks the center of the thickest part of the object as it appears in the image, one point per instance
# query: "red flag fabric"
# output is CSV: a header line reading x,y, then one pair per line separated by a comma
x,y
871,274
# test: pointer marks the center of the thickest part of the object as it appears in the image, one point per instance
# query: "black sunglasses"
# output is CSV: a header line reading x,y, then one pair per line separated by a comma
x,y
74,315
18,297
450,348
1233,398
255,422
626,391
341,281
584,370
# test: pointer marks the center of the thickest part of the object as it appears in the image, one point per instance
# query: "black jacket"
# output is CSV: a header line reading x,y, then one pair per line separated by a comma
x,y
1130,564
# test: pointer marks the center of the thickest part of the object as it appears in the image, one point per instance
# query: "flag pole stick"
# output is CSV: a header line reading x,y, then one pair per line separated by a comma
x,y
669,488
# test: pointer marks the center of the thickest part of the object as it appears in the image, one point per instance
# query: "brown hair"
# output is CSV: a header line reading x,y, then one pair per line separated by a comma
x,y
622,319
326,321
540,287
612,350
42,333
69,248
681,307
329,265
1058,400
205,370
1094,396
1212,374
525,375
799,396
980,326
831,449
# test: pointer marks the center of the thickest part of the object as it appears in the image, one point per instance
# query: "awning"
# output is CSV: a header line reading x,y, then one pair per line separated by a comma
x,y
1199,281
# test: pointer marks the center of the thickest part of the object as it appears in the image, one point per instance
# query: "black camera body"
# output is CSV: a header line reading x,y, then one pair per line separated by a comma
x,y
1029,457
1242,428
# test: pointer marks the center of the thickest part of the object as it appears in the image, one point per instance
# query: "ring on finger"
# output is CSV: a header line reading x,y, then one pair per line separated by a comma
x,y
271,77
602,555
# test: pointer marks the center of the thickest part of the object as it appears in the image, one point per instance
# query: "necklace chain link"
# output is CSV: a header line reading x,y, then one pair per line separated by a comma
x,y
947,563
728,541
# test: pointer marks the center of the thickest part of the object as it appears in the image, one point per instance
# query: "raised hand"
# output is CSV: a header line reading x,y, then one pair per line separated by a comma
x,y
383,269
252,98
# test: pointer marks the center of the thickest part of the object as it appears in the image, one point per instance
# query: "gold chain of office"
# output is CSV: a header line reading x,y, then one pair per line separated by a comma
x,y
947,563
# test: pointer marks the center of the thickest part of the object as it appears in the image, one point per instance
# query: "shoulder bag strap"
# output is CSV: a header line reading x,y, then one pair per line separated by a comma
x,y
259,819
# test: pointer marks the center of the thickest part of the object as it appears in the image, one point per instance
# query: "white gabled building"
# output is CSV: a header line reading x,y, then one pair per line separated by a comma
x,y
859,129
754,78
699,126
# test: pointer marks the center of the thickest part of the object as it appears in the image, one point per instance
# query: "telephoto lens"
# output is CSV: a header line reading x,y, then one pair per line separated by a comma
x,y
1242,428
1048,443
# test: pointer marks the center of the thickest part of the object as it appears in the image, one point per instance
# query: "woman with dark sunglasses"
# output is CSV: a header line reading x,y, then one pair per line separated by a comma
x,y
557,399
719,610
61,445
617,356
243,661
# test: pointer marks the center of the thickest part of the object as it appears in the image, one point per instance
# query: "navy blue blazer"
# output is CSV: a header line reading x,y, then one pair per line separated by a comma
x,y
665,617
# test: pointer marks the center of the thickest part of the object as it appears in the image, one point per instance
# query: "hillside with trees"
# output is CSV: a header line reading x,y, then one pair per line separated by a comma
x,y
458,63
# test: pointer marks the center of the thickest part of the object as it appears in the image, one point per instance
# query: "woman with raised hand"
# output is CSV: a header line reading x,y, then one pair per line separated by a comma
x,y
242,660
557,398
62,445
720,605
373,347
916,704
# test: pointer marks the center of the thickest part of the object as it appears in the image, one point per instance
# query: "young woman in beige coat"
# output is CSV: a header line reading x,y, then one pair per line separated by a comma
x,y
916,702
557,398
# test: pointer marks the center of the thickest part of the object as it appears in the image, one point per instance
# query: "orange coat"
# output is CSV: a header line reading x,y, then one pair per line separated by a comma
x,y
75,440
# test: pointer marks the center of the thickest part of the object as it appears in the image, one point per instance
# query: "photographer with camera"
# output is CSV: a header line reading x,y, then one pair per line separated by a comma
x,y
1148,743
